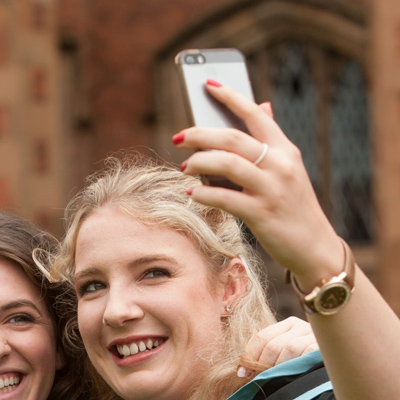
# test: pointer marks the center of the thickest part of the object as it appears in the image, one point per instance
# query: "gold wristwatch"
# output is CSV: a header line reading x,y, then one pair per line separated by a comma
x,y
331,295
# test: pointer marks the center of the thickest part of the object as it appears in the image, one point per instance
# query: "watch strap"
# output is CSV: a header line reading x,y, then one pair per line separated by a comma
x,y
345,279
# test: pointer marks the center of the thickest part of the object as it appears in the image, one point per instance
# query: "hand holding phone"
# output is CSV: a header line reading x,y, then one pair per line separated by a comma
x,y
226,66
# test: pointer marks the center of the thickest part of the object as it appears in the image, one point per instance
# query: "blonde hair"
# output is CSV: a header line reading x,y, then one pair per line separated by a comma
x,y
156,195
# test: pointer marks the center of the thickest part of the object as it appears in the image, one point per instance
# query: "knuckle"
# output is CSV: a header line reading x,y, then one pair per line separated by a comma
x,y
233,140
259,336
310,348
226,163
298,323
292,320
295,152
273,348
292,348
251,111
223,198
288,168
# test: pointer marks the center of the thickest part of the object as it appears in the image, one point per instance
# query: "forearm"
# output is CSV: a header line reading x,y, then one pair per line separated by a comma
x,y
360,345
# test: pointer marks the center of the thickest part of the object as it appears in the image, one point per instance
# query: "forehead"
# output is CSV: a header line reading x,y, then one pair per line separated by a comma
x,y
110,235
15,283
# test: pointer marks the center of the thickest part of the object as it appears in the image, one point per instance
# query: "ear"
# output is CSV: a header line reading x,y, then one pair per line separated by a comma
x,y
235,285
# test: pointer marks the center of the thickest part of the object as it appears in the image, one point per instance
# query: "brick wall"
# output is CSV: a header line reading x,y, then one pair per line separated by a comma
x,y
118,45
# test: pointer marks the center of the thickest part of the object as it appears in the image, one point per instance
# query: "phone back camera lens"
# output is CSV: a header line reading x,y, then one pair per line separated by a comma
x,y
190,60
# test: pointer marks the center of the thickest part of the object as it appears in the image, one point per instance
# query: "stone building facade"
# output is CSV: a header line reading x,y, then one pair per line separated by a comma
x,y
88,78
32,170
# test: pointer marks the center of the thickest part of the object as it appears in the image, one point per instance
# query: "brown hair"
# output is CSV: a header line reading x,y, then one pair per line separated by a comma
x,y
18,240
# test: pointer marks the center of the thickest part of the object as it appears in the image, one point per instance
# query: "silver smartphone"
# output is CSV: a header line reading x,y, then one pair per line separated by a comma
x,y
226,66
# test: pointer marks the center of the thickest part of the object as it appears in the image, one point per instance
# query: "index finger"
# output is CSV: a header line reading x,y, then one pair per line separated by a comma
x,y
260,125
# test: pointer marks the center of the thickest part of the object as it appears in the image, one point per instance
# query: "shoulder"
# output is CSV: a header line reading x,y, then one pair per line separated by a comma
x,y
303,376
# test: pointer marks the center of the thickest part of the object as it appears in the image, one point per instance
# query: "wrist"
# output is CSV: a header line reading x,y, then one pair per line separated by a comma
x,y
324,260
332,292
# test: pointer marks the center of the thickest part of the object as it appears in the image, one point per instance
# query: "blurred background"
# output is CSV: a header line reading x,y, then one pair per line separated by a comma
x,y
81,79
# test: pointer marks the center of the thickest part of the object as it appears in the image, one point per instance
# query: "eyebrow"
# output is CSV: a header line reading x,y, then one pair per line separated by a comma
x,y
18,304
139,261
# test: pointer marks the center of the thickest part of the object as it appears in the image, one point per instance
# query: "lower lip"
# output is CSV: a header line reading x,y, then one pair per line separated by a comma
x,y
14,393
137,358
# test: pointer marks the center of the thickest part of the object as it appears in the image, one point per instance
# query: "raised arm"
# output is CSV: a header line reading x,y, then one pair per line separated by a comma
x,y
359,343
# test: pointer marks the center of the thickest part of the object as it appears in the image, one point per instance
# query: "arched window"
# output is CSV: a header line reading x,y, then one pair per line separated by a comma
x,y
320,99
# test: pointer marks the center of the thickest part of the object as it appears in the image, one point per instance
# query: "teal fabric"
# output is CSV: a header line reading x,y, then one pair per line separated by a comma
x,y
315,392
295,366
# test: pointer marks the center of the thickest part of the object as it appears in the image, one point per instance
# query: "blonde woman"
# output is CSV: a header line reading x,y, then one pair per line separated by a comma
x,y
169,292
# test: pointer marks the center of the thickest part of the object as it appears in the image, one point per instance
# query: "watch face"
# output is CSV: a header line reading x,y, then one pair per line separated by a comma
x,y
332,298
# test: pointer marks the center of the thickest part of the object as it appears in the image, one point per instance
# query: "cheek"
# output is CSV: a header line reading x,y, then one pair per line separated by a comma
x,y
89,322
39,348
202,312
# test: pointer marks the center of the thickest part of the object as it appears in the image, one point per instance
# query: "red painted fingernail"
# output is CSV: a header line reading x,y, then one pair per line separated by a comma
x,y
189,191
213,83
178,138
183,165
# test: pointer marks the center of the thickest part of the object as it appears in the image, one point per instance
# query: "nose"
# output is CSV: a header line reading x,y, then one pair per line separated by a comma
x,y
121,307
5,348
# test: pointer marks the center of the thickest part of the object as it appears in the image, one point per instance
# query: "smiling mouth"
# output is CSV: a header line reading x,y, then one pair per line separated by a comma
x,y
9,384
141,346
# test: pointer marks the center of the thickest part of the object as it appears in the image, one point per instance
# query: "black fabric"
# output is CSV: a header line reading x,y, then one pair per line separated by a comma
x,y
290,387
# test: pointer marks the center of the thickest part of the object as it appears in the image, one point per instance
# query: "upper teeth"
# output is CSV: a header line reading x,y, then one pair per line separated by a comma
x,y
13,380
137,347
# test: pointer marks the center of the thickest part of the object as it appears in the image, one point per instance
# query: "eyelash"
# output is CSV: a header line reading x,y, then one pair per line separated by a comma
x,y
83,289
160,271
157,272
24,318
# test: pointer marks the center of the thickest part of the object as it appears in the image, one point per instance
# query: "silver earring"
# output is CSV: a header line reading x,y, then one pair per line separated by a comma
x,y
228,308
